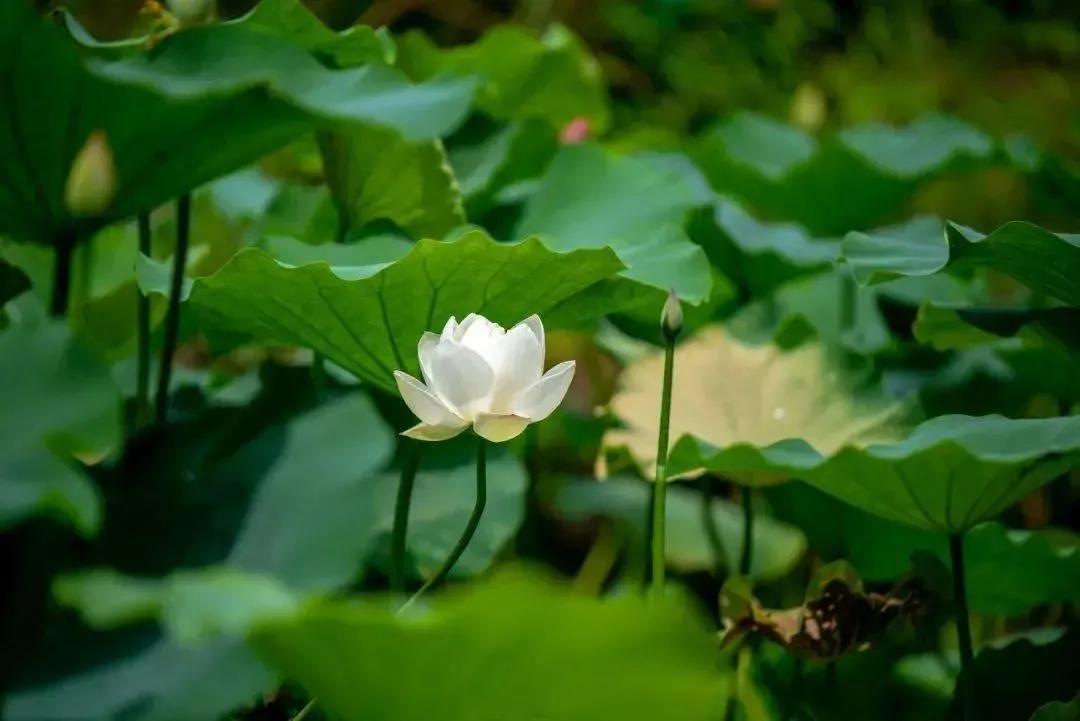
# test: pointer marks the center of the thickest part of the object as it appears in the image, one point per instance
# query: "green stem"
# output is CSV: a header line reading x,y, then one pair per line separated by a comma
x,y
659,496
172,317
470,528
748,532
142,334
64,246
708,520
963,626
409,467
86,271
848,298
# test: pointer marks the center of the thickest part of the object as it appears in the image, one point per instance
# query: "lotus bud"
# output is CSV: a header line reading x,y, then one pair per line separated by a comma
x,y
671,319
576,131
91,182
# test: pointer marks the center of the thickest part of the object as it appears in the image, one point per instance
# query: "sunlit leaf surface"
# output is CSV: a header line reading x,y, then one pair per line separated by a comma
x,y
730,394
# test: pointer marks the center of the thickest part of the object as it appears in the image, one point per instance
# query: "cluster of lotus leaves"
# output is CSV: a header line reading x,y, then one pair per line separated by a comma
x,y
760,415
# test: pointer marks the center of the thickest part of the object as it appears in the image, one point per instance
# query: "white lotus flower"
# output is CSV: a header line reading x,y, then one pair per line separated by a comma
x,y
476,373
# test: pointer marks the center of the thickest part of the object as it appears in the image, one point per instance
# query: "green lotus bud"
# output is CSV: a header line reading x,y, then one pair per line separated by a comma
x,y
91,182
671,319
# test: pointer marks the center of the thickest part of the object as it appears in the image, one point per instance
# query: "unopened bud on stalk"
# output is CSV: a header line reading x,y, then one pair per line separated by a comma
x,y
91,182
671,319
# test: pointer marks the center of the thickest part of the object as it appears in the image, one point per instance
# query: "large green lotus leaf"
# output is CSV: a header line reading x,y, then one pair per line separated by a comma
x,y
368,319
165,682
767,253
915,247
813,306
287,19
1045,262
817,306
500,650
372,250
552,77
317,485
202,103
949,474
375,174
442,501
1015,679
59,405
1009,572
501,164
193,605
308,526
747,396
946,328
589,198
228,59
849,181
777,546
291,20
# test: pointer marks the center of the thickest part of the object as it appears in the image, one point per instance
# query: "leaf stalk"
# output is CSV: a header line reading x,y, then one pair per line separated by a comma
x,y
172,317
659,495
470,527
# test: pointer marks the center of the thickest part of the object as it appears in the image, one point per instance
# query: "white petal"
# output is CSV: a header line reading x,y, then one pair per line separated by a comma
x,y
461,379
518,361
482,336
425,432
425,404
425,350
450,328
540,400
499,428
464,325
534,324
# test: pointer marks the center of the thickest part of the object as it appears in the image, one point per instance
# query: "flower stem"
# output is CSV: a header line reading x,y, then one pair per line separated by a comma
x,y
172,318
748,532
963,626
142,334
85,257
659,495
411,463
848,300
470,528
708,520
64,246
